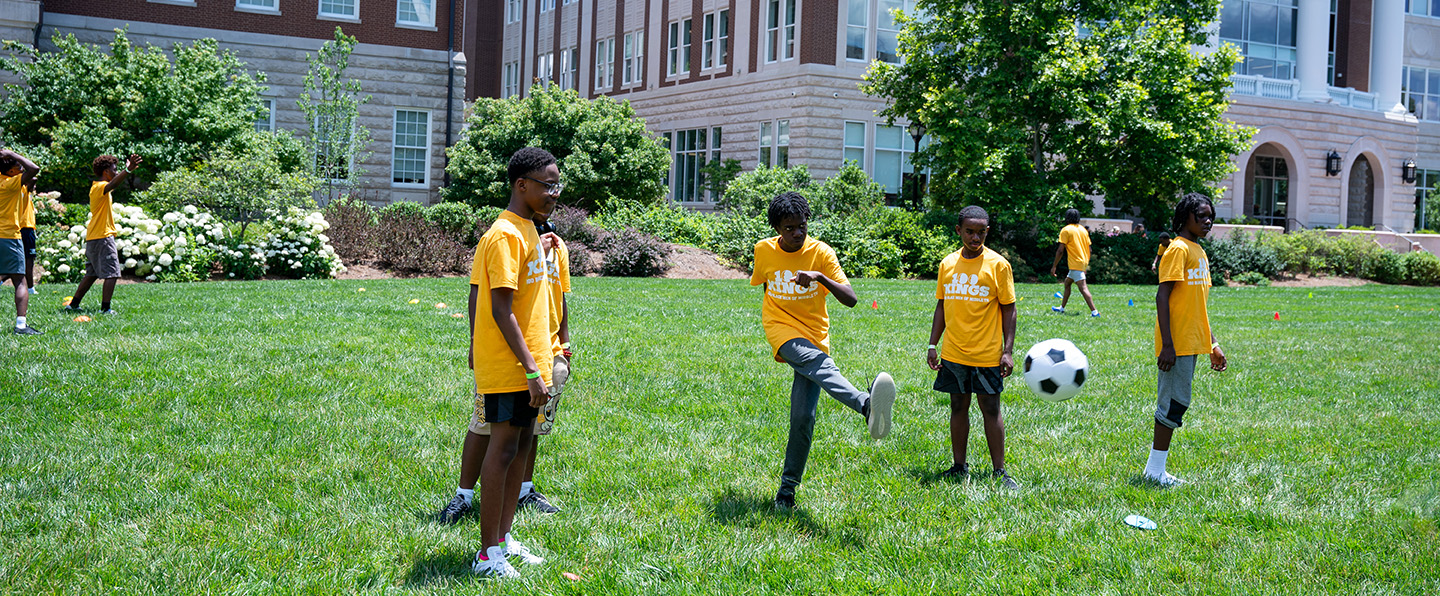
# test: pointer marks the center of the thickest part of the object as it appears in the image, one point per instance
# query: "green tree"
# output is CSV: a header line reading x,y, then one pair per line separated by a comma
x,y
749,194
718,174
81,101
1035,104
605,152
331,104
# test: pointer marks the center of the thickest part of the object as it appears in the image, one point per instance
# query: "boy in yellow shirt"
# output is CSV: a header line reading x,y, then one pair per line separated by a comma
x,y
975,302
27,223
12,248
511,352
798,272
1182,326
1075,249
102,260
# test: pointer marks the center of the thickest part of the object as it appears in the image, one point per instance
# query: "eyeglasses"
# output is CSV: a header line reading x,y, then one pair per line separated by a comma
x,y
550,189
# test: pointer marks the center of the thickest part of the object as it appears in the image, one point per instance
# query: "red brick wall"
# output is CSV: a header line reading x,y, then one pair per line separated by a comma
x,y
1352,44
482,38
297,19
819,22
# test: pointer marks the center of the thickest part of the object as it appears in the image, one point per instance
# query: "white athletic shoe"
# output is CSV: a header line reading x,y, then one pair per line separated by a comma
x,y
496,567
1165,479
513,548
882,405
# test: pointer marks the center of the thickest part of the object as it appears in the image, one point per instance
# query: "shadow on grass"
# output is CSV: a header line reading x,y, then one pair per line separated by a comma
x,y
441,569
732,508
928,477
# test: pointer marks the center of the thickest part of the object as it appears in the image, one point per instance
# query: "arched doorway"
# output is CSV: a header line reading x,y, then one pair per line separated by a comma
x,y
1268,192
1360,201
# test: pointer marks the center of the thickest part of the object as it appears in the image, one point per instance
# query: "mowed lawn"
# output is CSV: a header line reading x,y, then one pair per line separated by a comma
x,y
298,437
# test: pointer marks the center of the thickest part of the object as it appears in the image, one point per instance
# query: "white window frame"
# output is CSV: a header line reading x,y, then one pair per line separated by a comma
x,y
845,155
1430,80
1423,8
715,36
258,6
547,5
863,28
908,6
634,41
337,16
269,105
423,24
780,30
681,38
545,68
906,150
681,173
569,68
604,65
769,154
513,8
510,84
395,147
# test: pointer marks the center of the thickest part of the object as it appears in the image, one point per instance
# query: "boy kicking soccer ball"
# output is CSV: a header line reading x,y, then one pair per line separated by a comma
x,y
975,311
1075,249
1182,326
798,272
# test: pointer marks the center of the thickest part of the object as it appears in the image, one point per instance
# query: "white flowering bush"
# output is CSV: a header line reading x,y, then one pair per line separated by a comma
x,y
298,247
61,254
243,260
180,246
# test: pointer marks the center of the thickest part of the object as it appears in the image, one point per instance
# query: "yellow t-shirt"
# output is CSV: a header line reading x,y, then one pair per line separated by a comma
x,y
1160,250
1185,264
558,263
102,222
508,256
27,209
1077,246
791,311
12,193
973,290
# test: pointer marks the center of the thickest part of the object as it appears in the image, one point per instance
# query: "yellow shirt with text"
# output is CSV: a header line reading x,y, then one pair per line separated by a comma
x,y
973,290
789,310
102,221
509,256
12,193
558,261
1077,247
1185,264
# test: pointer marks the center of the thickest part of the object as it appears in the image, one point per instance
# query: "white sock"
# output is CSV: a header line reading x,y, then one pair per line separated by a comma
x,y
526,488
19,322
467,493
1094,312
1156,466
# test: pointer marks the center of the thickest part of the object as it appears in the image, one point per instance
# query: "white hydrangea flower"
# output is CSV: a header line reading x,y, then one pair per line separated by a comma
x,y
166,260
63,268
65,244
130,263
191,209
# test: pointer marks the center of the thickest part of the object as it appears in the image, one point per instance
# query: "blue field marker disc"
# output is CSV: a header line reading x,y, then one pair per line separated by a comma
x,y
1137,521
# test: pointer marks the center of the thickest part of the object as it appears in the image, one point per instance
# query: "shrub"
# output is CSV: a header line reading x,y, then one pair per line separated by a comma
x,y
407,242
456,219
352,228
485,217
861,253
241,260
582,260
177,247
921,249
62,254
573,225
298,247
1252,278
1422,269
749,194
849,191
1238,254
1387,267
675,225
734,236
631,253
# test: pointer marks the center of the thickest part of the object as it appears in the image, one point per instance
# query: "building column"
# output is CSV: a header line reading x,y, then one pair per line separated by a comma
x,y
1312,50
1387,54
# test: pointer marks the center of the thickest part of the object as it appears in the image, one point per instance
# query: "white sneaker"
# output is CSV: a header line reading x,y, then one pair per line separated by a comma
x,y
513,548
1165,479
882,405
496,566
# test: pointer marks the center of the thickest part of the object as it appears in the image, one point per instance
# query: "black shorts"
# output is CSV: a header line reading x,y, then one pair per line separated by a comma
x,y
962,379
513,407
27,237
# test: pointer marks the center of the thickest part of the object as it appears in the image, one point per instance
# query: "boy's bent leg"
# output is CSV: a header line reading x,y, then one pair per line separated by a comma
x,y
817,366
1085,292
804,398
81,290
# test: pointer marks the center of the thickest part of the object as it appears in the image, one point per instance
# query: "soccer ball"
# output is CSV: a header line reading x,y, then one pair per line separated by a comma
x,y
1055,369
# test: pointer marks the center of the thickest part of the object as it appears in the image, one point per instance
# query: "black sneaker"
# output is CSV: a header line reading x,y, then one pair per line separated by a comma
x,y
784,501
455,511
68,308
956,472
1006,481
26,331
539,502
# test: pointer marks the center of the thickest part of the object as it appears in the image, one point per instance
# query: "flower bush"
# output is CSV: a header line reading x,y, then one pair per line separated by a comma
x,y
298,247
61,254
242,260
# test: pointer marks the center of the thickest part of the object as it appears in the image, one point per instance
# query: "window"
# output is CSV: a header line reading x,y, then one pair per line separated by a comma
x,y
545,68
510,87
679,47
411,158
857,29
691,154
855,143
512,11
780,30
1264,32
265,120
1420,92
716,48
1271,190
775,144
634,67
569,69
415,12
604,64
547,5
893,147
1424,8
349,9
1427,208
887,31
568,2
269,5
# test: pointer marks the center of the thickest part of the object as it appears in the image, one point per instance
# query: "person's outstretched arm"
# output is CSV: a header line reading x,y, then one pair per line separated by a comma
x,y
843,292
131,163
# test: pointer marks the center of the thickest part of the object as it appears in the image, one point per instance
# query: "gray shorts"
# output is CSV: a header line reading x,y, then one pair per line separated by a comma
x,y
101,258
1174,391
957,378
12,257
1076,275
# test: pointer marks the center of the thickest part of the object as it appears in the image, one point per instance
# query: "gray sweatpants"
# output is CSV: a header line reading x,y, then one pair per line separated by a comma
x,y
814,370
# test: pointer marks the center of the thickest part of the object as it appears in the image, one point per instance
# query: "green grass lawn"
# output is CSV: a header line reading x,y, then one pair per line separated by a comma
x,y
298,437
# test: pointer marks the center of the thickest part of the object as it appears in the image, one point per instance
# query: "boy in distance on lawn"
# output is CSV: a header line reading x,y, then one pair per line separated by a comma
x,y
1160,250
1182,326
102,260
557,263
1075,249
975,311
27,221
13,187
798,272
511,352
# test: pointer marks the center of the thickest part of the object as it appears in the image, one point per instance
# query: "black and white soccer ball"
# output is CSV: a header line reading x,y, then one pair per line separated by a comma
x,y
1055,369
